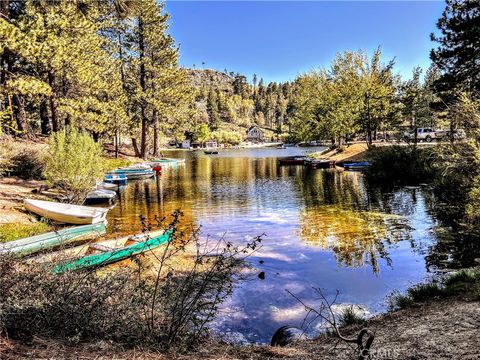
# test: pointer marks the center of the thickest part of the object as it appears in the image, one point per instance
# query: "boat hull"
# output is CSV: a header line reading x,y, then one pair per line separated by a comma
x,y
66,214
292,161
116,179
136,174
115,255
34,244
356,166
320,164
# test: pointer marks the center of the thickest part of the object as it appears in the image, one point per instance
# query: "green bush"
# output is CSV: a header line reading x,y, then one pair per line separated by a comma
x,y
425,292
454,186
74,163
350,317
464,283
401,165
227,137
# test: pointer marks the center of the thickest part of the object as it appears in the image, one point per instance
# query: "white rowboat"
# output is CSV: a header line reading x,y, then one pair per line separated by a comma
x,y
66,213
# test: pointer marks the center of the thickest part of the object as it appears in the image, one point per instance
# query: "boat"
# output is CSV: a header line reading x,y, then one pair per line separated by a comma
x,y
210,152
320,163
168,160
281,147
106,186
135,167
134,174
360,165
100,196
119,179
292,160
34,244
66,213
98,254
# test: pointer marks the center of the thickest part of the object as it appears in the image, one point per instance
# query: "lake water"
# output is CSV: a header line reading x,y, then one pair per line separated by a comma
x,y
323,228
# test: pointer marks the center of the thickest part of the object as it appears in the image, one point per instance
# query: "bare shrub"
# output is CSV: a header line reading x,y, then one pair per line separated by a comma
x,y
325,315
19,159
126,305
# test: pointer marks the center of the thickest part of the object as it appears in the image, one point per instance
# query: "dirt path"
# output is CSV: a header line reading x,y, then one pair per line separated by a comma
x,y
444,329
12,193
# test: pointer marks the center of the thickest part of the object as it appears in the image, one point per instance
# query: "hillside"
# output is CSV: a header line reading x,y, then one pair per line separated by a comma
x,y
228,103
210,77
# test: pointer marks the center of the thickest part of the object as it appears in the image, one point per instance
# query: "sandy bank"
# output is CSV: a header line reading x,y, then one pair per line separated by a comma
x,y
12,193
353,152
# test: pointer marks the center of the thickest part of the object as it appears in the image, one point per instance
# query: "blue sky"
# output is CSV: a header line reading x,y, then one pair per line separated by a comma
x,y
278,40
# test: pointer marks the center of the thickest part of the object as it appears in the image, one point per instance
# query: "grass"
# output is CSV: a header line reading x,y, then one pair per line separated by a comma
x,y
10,232
464,283
115,163
350,317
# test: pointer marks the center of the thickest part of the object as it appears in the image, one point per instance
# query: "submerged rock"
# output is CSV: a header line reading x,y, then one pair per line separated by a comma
x,y
287,335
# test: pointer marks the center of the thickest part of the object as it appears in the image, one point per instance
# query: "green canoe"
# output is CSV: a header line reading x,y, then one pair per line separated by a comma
x,y
52,239
114,255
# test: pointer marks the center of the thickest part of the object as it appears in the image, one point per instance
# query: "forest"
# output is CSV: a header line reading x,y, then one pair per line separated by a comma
x,y
112,68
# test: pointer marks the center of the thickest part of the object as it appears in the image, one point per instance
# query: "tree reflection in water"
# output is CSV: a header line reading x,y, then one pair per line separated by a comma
x,y
357,238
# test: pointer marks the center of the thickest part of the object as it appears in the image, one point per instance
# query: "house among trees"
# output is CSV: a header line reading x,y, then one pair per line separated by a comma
x,y
255,134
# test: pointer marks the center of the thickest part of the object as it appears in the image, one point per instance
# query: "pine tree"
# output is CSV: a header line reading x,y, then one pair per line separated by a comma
x,y
458,53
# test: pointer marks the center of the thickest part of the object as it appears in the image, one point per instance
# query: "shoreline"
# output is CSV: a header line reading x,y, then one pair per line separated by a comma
x,y
425,331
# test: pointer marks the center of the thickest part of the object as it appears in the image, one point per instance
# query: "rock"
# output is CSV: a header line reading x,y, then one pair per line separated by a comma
x,y
287,335
262,275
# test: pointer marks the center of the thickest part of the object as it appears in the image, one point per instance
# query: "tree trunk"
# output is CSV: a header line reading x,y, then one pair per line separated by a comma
x,y
21,115
53,103
369,136
135,147
155,134
116,140
143,84
44,119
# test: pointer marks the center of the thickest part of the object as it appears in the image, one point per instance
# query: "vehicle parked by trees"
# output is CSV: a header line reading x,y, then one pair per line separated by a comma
x,y
423,134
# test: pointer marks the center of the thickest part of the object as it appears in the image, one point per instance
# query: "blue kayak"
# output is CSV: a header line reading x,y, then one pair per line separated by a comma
x,y
356,165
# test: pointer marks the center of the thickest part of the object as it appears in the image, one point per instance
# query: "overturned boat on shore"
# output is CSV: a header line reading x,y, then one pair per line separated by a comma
x,y
108,252
66,213
53,239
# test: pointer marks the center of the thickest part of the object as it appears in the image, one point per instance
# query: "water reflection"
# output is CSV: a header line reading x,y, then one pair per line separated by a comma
x,y
356,237
323,228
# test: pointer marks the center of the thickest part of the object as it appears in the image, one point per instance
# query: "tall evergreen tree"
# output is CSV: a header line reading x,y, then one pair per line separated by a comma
x,y
458,53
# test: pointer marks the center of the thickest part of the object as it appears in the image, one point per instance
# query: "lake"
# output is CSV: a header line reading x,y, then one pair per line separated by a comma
x,y
323,228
